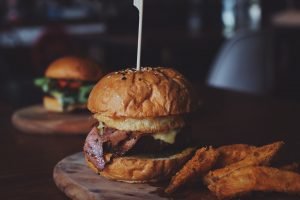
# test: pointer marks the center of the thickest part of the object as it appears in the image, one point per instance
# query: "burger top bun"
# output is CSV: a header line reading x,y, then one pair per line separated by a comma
x,y
74,68
150,92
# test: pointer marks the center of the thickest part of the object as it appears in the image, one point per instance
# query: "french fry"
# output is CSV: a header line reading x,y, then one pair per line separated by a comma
x,y
260,156
201,163
248,179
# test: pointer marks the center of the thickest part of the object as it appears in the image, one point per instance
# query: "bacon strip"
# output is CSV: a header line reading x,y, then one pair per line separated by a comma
x,y
127,144
93,148
119,142
114,136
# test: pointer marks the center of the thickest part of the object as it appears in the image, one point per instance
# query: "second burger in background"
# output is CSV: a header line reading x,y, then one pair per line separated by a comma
x,y
68,82
142,114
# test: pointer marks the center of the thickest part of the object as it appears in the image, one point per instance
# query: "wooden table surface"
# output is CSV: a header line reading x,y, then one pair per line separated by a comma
x,y
226,117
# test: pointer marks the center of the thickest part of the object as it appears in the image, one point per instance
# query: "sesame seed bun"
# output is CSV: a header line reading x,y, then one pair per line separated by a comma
x,y
150,92
74,68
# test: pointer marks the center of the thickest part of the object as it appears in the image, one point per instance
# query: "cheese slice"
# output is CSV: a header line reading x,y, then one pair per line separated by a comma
x,y
167,136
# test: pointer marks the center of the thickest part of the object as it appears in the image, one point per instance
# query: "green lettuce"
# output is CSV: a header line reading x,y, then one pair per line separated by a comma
x,y
84,92
43,83
64,96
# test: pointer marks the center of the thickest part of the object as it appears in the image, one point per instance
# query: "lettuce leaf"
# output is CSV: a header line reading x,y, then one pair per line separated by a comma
x,y
64,96
84,92
43,83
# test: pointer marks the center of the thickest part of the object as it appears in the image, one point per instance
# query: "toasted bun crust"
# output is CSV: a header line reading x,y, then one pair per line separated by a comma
x,y
145,125
74,68
142,170
52,104
150,92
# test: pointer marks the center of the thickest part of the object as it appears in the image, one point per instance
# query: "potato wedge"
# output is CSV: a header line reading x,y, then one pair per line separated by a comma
x,y
260,156
203,160
248,179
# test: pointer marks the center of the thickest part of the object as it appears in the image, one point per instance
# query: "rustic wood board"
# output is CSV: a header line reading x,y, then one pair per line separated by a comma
x,y
37,120
77,181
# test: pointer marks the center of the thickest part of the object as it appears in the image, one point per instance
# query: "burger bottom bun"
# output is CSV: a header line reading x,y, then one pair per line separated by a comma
x,y
138,169
52,104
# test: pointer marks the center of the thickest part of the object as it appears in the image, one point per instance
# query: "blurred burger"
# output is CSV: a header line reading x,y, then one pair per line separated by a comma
x,y
68,82
140,136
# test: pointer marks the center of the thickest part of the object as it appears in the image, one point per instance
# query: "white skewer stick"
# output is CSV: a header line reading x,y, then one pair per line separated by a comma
x,y
139,4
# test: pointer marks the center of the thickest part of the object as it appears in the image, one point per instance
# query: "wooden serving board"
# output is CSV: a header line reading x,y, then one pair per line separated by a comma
x,y
79,182
37,120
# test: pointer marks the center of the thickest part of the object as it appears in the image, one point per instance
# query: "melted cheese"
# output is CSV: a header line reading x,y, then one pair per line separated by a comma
x,y
168,136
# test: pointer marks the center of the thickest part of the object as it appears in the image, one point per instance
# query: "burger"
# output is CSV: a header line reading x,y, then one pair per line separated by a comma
x,y
67,83
140,135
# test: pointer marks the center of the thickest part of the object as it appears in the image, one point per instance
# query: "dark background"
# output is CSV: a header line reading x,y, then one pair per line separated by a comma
x,y
184,34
